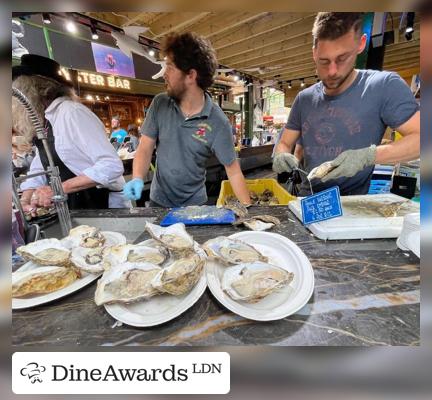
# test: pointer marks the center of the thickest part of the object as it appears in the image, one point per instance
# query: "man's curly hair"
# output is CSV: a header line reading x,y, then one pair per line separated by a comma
x,y
190,51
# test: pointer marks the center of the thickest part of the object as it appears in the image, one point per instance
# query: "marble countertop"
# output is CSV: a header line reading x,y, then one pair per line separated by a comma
x,y
367,292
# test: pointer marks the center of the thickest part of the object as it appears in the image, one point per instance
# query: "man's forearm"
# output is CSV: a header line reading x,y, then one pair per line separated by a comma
x,y
78,183
238,183
406,149
141,162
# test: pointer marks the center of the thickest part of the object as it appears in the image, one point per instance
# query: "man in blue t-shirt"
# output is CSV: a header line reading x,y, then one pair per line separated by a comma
x,y
117,131
342,119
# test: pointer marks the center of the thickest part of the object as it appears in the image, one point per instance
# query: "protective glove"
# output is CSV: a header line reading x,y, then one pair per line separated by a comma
x,y
350,162
133,189
284,162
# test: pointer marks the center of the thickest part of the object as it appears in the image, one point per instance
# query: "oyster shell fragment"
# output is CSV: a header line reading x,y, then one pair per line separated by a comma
x,y
232,251
254,281
127,283
258,222
45,252
41,280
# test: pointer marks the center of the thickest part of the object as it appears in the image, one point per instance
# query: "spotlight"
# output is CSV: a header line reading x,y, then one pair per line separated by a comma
x,y
302,82
289,85
94,33
236,78
152,53
46,18
409,26
71,27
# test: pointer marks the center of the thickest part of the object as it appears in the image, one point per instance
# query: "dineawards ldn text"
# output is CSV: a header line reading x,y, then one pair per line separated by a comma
x,y
112,374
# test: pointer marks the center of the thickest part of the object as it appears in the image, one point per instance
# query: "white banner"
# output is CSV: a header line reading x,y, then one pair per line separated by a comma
x,y
121,373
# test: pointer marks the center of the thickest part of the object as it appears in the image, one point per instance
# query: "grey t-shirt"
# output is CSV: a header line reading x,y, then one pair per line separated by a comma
x,y
183,147
354,119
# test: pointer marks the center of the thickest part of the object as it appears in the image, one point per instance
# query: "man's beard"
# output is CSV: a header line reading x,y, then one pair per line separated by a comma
x,y
176,93
339,82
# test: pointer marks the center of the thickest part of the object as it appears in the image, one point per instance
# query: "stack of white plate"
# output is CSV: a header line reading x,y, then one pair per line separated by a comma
x,y
409,238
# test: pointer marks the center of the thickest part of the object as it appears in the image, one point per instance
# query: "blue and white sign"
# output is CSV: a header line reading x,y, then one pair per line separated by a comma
x,y
321,206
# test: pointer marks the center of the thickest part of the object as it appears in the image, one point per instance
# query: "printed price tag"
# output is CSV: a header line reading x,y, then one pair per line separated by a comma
x,y
321,206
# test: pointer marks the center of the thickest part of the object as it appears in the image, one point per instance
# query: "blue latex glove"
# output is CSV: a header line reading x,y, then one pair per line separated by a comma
x,y
133,189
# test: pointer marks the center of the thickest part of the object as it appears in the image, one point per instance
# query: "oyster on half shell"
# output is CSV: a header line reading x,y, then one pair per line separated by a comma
x,y
45,252
258,222
92,261
136,253
321,171
180,276
174,237
232,251
254,281
41,280
127,283
86,236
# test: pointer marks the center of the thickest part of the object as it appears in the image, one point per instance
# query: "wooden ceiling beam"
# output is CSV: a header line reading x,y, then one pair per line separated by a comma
x,y
218,23
172,22
253,29
299,31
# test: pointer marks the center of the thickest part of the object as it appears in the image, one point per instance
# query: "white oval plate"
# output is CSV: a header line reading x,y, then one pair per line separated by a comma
x,y
36,300
158,309
286,301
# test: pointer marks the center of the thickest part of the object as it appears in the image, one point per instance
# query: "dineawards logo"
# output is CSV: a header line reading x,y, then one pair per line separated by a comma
x,y
121,373
33,371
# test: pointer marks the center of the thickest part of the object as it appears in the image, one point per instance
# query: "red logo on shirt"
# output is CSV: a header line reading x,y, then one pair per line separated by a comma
x,y
201,132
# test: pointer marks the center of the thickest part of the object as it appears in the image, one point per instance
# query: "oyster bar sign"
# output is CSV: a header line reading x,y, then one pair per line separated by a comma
x,y
100,80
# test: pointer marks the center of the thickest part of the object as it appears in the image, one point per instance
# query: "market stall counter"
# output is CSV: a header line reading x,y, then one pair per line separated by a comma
x,y
366,292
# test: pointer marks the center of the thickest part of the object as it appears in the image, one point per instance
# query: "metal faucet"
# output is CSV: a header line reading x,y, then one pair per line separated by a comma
x,y
59,197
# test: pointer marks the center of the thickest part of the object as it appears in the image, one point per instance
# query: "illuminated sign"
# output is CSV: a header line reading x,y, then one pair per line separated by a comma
x,y
92,79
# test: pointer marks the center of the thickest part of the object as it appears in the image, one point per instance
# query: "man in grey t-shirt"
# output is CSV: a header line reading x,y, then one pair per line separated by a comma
x,y
187,128
342,119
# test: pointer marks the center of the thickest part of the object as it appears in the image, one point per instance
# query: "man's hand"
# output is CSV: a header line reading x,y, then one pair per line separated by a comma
x,y
133,189
350,162
42,197
284,162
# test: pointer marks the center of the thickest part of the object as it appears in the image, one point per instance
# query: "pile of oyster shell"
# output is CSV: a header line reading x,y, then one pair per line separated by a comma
x,y
170,263
249,276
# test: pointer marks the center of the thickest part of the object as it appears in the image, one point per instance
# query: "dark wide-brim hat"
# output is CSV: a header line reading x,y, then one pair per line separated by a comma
x,y
33,64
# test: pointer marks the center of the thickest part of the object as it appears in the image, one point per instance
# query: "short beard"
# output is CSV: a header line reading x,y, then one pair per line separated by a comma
x,y
341,82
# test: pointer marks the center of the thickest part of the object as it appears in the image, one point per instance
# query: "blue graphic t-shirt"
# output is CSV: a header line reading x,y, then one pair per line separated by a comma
x,y
354,119
119,134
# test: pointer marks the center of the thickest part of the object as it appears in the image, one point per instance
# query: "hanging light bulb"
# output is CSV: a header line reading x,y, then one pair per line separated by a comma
x,y
289,85
302,82
46,18
152,53
94,33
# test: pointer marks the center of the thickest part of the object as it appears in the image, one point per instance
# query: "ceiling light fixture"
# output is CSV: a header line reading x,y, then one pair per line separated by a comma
x,y
152,53
46,18
71,27
94,33
302,82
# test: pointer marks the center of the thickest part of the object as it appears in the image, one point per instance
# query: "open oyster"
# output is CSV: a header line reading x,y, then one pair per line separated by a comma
x,y
174,237
321,171
254,281
45,252
41,280
86,236
232,251
92,261
136,253
180,276
127,283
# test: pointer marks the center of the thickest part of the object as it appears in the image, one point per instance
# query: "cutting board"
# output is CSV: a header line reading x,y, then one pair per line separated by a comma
x,y
360,219
199,215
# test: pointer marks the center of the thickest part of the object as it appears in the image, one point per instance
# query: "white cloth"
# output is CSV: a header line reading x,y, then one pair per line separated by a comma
x,y
82,145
